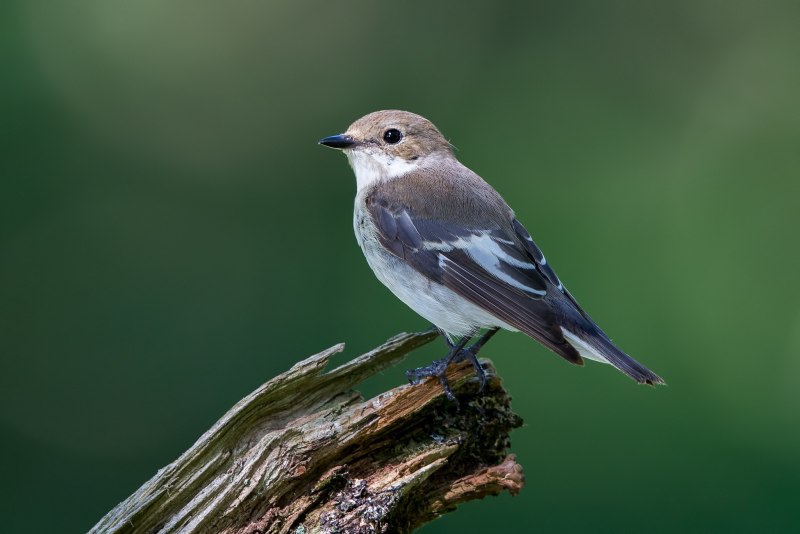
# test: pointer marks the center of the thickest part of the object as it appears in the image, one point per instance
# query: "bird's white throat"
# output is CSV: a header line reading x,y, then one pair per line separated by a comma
x,y
374,166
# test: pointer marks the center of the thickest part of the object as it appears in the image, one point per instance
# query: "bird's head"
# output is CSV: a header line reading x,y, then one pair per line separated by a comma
x,y
390,143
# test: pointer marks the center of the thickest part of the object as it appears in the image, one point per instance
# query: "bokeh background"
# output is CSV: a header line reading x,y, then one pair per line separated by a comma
x,y
171,236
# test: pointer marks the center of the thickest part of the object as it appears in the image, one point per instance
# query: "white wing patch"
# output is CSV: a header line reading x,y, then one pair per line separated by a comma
x,y
486,252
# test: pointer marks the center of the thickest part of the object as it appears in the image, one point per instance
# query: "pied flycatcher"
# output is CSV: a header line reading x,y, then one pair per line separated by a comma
x,y
447,244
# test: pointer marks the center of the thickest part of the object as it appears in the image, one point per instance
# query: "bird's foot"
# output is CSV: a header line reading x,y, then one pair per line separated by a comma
x,y
458,353
438,369
472,355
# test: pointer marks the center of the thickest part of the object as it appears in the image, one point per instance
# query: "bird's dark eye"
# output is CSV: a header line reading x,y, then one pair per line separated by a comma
x,y
392,136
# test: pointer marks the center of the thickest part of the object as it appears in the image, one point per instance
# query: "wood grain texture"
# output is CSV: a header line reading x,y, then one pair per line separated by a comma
x,y
306,453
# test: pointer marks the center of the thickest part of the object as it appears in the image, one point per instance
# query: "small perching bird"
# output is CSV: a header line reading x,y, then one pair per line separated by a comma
x,y
447,244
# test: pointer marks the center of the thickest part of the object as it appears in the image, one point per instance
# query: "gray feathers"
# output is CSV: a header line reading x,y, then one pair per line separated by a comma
x,y
446,243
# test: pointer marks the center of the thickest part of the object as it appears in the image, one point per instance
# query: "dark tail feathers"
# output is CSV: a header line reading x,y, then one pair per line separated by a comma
x,y
596,346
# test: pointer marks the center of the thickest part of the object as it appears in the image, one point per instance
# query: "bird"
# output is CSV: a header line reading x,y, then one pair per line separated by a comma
x,y
449,246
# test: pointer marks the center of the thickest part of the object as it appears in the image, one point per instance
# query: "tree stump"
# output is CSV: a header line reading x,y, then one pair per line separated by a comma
x,y
306,453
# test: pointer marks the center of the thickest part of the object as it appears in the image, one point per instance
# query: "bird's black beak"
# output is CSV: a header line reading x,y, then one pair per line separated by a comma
x,y
340,141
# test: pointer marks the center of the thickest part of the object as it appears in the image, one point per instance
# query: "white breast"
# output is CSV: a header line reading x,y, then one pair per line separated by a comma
x,y
443,307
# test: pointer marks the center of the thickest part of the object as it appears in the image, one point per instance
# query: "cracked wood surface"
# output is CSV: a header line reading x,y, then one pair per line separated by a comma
x,y
306,453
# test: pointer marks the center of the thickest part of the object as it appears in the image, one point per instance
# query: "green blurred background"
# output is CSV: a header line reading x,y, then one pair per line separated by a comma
x,y
171,236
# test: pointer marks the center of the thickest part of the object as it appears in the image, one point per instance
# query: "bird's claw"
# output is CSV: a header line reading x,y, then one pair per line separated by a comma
x,y
469,354
438,369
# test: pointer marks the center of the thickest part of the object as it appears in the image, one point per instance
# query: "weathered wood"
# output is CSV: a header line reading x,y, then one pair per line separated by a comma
x,y
305,453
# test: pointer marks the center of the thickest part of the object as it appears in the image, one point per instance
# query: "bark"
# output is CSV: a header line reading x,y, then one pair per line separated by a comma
x,y
306,453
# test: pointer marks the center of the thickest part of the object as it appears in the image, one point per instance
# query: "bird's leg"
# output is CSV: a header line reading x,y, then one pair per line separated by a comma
x,y
447,339
471,354
444,335
439,368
